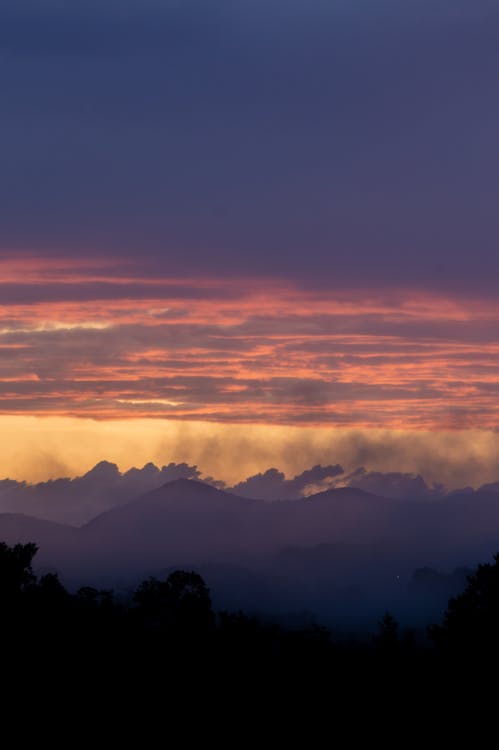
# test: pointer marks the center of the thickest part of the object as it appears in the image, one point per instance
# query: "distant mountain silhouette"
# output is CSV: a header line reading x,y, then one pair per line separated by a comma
x,y
184,493
184,519
341,548
18,527
76,501
194,519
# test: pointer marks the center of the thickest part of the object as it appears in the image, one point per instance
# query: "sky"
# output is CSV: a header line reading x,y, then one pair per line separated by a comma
x,y
270,227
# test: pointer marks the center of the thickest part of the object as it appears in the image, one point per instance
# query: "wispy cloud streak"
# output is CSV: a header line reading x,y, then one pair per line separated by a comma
x,y
84,340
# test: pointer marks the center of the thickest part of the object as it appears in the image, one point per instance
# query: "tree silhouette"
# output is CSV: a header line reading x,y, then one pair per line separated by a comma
x,y
471,622
387,639
170,629
16,572
181,604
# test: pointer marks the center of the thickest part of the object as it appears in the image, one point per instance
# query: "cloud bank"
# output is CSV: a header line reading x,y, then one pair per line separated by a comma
x,y
84,340
41,448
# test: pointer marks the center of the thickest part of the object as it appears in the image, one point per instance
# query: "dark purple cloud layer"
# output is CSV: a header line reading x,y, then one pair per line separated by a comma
x,y
330,142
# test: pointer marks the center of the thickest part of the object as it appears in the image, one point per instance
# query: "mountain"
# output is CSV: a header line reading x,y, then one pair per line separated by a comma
x,y
188,522
182,523
193,519
76,501
344,552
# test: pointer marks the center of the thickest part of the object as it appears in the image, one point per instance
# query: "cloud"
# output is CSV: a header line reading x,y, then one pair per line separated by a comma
x,y
392,484
39,448
104,486
272,484
75,501
283,355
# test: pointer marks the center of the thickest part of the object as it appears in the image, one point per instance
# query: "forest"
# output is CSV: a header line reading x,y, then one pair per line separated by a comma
x,y
169,630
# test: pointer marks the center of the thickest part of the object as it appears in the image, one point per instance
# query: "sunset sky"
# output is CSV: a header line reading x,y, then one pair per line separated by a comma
x,y
250,233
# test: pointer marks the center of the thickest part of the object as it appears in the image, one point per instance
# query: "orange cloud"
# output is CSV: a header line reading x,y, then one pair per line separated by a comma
x,y
89,341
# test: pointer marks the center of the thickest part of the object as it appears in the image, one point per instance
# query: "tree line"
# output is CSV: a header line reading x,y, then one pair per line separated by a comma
x,y
169,626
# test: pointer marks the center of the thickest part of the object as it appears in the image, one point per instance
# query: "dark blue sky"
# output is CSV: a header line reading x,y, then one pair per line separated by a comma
x,y
334,142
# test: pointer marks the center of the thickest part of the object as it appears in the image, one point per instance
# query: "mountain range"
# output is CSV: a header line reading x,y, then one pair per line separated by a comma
x,y
76,501
344,555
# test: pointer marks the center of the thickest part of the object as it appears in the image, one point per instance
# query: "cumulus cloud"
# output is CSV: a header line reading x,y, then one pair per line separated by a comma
x,y
393,484
273,485
104,486
39,448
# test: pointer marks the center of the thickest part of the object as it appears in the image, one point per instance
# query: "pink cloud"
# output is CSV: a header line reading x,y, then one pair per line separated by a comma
x,y
85,340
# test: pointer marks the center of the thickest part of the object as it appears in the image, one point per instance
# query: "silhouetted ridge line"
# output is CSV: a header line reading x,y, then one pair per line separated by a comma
x,y
180,494
25,518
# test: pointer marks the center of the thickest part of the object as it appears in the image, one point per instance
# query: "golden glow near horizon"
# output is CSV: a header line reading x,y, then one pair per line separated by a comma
x,y
41,448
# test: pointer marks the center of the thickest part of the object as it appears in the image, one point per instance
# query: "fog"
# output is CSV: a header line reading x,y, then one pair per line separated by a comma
x,y
340,557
